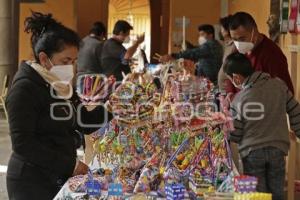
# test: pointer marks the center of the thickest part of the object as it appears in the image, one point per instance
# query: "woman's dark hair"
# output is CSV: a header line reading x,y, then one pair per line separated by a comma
x,y
121,26
242,19
225,21
48,35
237,63
98,29
207,28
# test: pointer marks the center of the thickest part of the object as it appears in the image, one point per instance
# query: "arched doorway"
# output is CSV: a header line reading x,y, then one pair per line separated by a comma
x,y
149,16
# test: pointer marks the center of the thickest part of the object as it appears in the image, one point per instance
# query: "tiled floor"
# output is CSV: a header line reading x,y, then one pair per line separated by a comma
x,y
5,150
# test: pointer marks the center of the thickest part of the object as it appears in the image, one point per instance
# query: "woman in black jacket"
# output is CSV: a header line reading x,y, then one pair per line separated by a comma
x,y
43,121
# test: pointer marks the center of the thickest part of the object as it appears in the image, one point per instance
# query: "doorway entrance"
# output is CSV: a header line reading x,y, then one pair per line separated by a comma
x,y
137,13
147,16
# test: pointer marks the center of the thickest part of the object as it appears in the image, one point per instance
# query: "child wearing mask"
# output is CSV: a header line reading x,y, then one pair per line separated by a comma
x,y
261,129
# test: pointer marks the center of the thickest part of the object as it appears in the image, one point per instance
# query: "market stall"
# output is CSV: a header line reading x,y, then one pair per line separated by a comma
x,y
166,141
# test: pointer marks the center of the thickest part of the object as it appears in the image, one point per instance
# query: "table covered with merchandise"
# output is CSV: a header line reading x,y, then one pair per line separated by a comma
x,y
163,143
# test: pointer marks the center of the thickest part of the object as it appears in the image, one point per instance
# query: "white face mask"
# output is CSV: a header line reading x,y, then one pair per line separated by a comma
x,y
244,47
63,72
237,86
201,40
127,39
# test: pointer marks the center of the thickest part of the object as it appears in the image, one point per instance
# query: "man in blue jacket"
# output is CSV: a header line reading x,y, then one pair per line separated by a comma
x,y
208,54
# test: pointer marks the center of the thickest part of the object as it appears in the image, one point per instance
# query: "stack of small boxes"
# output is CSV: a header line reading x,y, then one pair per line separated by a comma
x,y
175,192
245,184
253,196
198,185
93,187
115,190
245,189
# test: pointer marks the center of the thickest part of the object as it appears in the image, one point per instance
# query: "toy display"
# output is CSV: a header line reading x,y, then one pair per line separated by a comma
x,y
161,143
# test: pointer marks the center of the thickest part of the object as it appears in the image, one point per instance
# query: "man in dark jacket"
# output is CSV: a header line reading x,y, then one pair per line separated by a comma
x,y
115,57
208,54
89,56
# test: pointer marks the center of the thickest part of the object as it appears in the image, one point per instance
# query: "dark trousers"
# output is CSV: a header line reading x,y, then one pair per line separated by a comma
x,y
27,182
268,165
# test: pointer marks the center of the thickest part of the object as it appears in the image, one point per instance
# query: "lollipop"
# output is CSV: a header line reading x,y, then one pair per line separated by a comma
x,y
92,88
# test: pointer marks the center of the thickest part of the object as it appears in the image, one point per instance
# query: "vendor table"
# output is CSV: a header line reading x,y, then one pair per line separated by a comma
x,y
66,194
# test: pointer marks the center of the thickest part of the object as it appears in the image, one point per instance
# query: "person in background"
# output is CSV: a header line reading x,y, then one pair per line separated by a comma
x,y
226,88
115,58
208,54
260,121
263,53
42,115
225,85
89,56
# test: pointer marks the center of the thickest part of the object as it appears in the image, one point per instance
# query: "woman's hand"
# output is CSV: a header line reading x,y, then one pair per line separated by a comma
x,y
80,168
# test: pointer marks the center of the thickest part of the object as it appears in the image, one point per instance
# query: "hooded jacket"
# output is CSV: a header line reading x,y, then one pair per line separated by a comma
x,y
259,111
43,128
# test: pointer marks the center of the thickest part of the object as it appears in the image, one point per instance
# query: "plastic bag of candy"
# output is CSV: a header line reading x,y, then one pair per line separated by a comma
x,y
78,183
93,88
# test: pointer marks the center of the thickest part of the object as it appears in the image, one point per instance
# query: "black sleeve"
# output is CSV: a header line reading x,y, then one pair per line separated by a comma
x,y
90,121
99,53
194,54
23,111
116,49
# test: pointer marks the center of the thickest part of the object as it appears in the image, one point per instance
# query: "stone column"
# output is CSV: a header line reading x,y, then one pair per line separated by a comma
x,y
9,35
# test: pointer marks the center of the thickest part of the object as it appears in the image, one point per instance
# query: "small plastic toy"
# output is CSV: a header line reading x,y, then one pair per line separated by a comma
x,y
93,188
115,190
245,184
253,196
175,192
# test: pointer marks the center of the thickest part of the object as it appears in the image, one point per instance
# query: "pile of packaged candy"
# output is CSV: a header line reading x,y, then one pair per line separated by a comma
x,y
163,144
92,88
134,101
